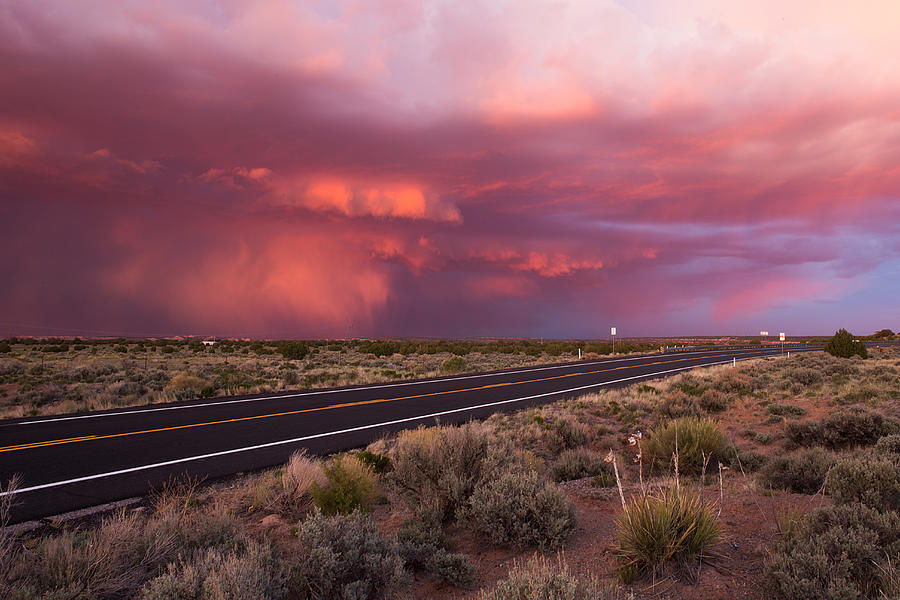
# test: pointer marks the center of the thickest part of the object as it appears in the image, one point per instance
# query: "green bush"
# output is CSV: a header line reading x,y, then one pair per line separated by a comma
x,y
453,365
520,509
697,440
843,345
713,401
664,529
4,347
539,579
802,473
294,350
437,469
351,486
217,575
208,391
875,483
424,547
345,558
839,552
379,463
577,464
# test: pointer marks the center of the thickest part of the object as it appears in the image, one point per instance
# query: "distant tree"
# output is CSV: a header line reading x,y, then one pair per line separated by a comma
x,y
4,347
294,350
842,344
884,334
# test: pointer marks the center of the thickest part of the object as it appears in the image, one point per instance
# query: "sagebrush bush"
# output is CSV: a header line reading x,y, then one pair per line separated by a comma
x,y
520,509
713,401
541,579
786,410
664,529
677,404
576,464
889,446
379,463
839,552
215,575
698,440
803,473
345,558
567,433
852,427
453,365
437,469
424,547
745,460
351,486
875,483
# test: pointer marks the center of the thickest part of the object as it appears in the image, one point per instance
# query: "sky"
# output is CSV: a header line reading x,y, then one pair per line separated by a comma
x,y
449,169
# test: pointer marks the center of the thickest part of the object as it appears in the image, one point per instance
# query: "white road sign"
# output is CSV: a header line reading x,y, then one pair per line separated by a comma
x,y
781,335
763,333
612,331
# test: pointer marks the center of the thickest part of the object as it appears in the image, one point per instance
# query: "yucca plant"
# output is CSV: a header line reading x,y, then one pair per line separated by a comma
x,y
664,529
697,442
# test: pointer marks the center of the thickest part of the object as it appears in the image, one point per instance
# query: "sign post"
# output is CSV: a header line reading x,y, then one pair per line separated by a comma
x,y
781,335
612,331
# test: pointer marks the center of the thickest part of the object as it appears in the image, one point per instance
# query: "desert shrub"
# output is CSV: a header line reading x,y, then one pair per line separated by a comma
x,y
424,547
293,350
208,391
4,347
453,365
677,404
185,382
852,427
566,433
839,552
297,478
540,579
875,483
713,401
576,464
664,529
786,410
804,376
351,486
733,383
747,460
110,561
856,427
889,445
217,575
520,509
842,345
437,469
345,558
803,473
379,463
698,440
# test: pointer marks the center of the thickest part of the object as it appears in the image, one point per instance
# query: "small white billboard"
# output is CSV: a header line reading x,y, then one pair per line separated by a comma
x,y
763,333
612,331
781,335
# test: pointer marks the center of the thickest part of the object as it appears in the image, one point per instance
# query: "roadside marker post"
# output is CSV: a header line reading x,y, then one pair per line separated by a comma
x,y
612,331
781,335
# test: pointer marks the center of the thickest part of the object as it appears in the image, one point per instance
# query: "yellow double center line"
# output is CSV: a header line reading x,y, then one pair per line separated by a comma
x,y
88,438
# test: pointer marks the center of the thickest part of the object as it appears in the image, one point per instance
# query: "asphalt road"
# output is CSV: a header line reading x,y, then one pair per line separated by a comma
x,y
70,462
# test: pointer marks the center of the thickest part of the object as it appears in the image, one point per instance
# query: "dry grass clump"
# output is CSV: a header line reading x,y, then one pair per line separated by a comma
x,y
662,529
298,477
520,509
696,440
185,382
351,486
542,579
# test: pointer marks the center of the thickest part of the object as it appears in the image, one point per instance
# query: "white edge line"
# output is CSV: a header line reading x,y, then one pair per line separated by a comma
x,y
351,389
339,432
